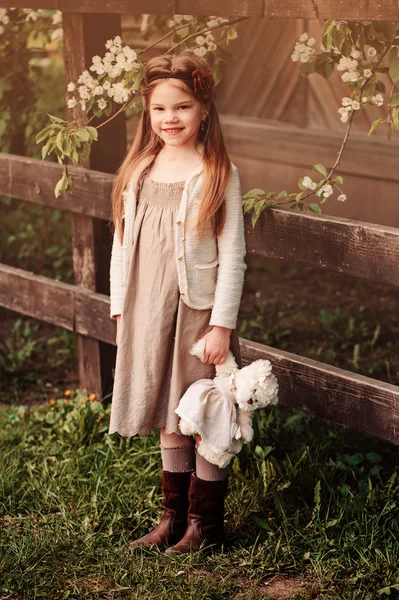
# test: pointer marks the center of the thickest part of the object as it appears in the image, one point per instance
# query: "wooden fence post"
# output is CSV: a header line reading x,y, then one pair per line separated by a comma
x,y
85,36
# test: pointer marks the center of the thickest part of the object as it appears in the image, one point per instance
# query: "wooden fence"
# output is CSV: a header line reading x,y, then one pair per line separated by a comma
x,y
351,247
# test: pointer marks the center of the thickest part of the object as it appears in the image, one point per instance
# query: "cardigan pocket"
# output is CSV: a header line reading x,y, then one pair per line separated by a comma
x,y
206,276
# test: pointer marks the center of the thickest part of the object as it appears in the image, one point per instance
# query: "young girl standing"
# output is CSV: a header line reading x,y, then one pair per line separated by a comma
x,y
177,273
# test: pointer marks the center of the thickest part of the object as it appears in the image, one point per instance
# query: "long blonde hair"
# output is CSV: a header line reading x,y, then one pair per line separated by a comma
x,y
217,165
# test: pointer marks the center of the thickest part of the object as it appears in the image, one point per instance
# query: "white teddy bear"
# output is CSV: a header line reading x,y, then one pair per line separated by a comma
x,y
221,409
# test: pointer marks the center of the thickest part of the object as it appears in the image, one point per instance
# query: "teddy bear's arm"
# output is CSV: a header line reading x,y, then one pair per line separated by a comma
x,y
244,420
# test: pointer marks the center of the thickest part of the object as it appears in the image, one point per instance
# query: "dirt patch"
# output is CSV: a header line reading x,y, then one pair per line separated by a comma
x,y
283,588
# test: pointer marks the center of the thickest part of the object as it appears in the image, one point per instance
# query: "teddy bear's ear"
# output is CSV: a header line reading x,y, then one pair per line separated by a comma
x,y
262,378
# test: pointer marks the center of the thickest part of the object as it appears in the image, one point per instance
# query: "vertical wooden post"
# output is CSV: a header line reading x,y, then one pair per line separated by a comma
x,y
85,36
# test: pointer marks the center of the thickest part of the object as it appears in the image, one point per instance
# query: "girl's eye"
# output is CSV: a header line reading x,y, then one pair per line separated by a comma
x,y
160,108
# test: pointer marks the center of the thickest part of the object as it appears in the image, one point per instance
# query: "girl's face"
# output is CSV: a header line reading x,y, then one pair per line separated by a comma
x,y
175,115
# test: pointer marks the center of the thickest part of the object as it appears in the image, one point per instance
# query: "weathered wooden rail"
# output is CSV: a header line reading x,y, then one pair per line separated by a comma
x,y
350,247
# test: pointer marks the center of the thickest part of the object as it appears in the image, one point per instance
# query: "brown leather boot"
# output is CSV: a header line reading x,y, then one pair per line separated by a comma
x,y
173,523
205,527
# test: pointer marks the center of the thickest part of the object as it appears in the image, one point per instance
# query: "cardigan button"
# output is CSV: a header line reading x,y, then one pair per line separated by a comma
x,y
179,258
181,293
178,222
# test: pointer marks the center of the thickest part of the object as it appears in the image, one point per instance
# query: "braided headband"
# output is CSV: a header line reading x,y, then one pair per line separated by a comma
x,y
200,80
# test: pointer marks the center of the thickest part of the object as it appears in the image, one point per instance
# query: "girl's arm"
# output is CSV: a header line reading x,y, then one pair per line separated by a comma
x,y
231,253
115,274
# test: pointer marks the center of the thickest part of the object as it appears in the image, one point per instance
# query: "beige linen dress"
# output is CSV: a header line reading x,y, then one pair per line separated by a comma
x,y
157,329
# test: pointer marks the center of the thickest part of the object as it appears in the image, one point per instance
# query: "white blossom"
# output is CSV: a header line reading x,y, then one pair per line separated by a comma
x,y
187,17
82,104
5,20
86,79
171,23
326,190
57,34
365,99
342,198
347,64
212,47
130,54
212,23
355,53
344,114
304,37
346,101
118,92
84,92
31,15
355,105
378,99
178,18
57,17
98,90
371,52
209,38
311,41
350,76
302,52
101,104
367,73
71,102
308,183
106,85
200,40
200,51
71,86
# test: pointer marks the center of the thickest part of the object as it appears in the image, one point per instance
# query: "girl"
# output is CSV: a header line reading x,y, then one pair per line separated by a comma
x,y
177,273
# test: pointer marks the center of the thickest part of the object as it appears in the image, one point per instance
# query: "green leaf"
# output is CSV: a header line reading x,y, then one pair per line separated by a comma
x,y
232,33
394,100
183,32
58,140
253,193
43,134
338,37
315,208
55,119
83,135
45,149
248,205
320,170
338,179
393,62
374,125
395,117
282,194
93,132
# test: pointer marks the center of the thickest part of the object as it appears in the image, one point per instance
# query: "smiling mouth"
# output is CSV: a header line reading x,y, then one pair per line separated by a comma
x,y
174,130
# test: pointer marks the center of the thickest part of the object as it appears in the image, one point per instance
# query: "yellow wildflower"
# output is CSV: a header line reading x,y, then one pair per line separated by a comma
x,y
92,397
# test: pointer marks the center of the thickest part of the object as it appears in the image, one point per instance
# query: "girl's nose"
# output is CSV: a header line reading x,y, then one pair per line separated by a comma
x,y
171,118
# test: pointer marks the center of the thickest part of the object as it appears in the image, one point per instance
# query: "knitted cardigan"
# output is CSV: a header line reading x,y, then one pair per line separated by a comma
x,y
210,272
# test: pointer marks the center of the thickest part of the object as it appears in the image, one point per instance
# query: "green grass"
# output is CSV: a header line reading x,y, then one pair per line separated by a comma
x,y
308,498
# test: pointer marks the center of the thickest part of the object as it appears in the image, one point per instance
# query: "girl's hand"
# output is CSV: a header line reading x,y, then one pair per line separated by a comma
x,y
217,345
118,320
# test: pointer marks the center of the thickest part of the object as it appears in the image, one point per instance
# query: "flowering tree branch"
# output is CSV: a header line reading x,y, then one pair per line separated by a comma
x,y
358,51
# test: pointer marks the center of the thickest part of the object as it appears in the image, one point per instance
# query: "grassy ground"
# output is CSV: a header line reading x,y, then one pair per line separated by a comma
x,y
312,512
313,507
